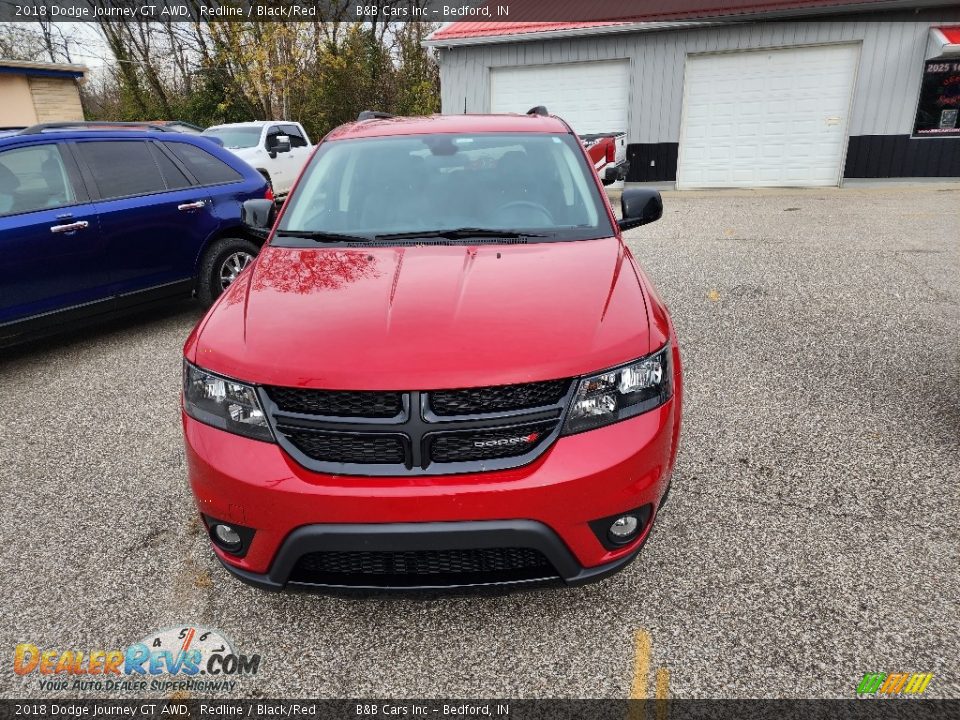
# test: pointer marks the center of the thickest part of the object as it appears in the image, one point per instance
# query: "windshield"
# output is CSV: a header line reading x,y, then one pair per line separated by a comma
x,y
525,183
236,137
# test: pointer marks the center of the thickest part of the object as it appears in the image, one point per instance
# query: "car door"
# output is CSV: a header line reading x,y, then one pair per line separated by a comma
x,y
282,171
299,150
153,217
52,256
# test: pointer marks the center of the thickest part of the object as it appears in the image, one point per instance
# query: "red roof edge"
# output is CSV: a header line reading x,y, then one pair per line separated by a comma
x,y
952,34
538,16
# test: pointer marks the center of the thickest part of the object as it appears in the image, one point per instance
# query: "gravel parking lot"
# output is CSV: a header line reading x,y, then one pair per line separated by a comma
x,y
811,535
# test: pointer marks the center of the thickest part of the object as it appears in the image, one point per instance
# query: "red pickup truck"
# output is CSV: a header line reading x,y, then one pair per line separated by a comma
x,y
608,152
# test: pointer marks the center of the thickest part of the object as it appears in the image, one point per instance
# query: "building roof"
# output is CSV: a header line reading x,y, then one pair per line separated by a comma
x,y
38,69
507,123
470,29
537,20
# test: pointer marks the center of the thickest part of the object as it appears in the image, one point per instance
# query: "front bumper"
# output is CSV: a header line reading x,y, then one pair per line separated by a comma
x,y
547,505
411,538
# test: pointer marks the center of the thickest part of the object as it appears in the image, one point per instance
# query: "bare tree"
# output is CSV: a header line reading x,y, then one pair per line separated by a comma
x,y
35,40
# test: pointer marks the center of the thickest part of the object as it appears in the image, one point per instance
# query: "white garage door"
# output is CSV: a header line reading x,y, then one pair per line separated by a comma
x,y
766,118
591,96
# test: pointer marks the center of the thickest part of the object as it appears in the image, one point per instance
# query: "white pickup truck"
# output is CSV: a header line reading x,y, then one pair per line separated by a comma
x,y
277,148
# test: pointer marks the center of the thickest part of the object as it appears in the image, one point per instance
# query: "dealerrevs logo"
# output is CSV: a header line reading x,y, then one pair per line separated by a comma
x,y
185,653
500,442
894,684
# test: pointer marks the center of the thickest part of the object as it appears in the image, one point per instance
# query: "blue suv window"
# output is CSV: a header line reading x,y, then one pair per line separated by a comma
x,y
33,178
207,169
122,168
173,176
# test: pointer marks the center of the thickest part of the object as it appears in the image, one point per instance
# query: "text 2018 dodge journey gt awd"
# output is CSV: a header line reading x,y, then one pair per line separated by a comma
x,y
445,368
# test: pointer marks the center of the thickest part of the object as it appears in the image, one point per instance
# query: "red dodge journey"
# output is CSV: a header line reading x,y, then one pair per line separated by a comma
x,y
444,369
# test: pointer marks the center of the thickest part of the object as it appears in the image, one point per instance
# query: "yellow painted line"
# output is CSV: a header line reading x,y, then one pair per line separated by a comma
x,y
641,664
640,688
663,684
662,693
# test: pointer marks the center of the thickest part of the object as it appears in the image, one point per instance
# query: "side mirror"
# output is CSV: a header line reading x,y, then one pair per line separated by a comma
x,y
613,174
281,144
258,215
639,206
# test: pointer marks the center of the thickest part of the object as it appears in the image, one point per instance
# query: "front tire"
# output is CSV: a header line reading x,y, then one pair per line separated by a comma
x,y
224,260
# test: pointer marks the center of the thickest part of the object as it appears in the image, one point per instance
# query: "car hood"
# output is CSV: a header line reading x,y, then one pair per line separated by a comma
x,y
426,317
244,152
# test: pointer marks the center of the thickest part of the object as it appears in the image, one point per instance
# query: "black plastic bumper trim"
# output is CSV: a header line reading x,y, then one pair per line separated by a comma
x,y
246,535
429,536
601,527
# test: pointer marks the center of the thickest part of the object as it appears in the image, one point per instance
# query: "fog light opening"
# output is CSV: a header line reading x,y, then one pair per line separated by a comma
x,y
623,529
226,537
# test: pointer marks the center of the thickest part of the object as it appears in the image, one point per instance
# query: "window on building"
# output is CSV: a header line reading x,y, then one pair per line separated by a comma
x,y
939,104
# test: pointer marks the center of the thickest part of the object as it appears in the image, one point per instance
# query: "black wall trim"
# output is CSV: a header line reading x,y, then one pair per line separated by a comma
x,y
868,156
662,155
877,156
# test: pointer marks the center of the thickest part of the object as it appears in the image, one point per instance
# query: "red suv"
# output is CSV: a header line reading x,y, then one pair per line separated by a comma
x,y
445,368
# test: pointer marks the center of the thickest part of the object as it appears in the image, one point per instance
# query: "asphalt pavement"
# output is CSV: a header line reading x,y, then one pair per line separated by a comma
x,y
811,534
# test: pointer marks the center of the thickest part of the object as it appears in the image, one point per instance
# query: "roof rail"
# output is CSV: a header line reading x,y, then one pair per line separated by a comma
x,y
373,115
538,110
92,125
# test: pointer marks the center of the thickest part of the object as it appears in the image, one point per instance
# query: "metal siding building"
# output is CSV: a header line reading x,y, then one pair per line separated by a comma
x,y
891,49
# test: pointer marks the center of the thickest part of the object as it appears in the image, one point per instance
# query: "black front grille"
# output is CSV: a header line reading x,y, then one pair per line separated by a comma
x,y
394,433
337,403
371,448
418,568
488,444
497,398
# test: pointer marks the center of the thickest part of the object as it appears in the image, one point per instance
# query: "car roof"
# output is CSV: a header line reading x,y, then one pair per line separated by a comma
x,y
506,123
103,133
253,124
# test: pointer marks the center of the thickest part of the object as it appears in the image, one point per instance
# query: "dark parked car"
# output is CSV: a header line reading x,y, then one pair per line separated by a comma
x,y
98,218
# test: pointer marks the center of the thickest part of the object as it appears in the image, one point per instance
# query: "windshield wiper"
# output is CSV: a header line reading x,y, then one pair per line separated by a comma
x,y
323,236
460,234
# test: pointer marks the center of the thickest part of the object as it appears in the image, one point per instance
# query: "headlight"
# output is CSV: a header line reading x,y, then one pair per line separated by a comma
x,y
223,403
621,393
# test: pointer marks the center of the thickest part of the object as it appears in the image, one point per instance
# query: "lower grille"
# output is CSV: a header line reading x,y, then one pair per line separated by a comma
x,y
489,444
420,568
373,448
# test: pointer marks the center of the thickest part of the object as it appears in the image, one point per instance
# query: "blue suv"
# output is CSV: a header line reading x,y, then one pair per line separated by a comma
x,y
97,219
